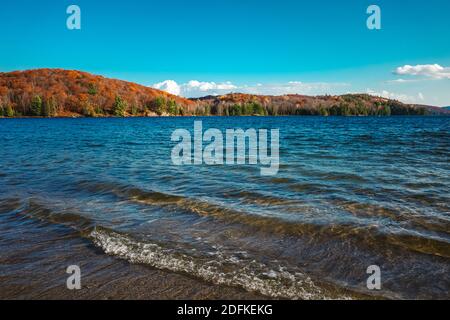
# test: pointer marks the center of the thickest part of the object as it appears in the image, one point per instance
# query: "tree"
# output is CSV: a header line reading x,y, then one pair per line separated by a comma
x,y
49,107
160,104
134,110
323,111
88,110
386,111
257,109
173,108
9,112
235,110
247,109
36,106
92,89
120,106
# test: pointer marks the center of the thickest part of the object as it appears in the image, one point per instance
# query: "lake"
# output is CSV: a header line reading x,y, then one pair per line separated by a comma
x,y
104,194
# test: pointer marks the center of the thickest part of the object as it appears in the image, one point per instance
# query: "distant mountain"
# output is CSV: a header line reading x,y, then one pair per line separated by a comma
x,y
437,111
66,93
446,108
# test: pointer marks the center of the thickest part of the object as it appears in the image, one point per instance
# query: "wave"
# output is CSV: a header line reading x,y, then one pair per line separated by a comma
x,y
34,209
396,214
366,234
252,197
241,266
236,269
222,269
129,192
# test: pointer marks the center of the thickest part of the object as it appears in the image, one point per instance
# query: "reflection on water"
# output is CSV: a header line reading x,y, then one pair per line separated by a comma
x,y
350,193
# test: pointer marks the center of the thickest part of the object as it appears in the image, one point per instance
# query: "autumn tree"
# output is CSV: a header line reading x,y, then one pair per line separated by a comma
x,y
88,109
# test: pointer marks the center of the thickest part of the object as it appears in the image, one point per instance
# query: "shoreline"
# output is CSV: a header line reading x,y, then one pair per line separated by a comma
x,y
223,116
37,270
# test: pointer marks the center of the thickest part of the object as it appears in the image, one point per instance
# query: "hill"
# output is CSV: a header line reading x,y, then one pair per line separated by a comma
x,y
57,92
345,105
435,111
65,93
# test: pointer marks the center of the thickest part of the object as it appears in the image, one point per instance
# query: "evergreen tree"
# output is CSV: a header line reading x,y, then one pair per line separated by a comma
x,y
257,109
160,104
134,110
386,111
172,107
9,112
36,106
120,106
49,108
92,89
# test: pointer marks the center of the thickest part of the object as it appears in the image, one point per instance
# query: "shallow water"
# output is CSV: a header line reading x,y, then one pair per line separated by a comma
x,y
350,193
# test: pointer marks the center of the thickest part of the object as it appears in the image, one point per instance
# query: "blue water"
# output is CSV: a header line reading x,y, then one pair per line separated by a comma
x,y
350,193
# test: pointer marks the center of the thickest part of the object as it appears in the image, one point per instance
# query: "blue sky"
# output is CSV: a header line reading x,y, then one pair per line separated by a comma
x,y
258,46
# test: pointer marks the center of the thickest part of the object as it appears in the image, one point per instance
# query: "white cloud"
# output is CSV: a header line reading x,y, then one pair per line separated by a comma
x,y
434,71
402,81
169,86
196,88
397,96
293,87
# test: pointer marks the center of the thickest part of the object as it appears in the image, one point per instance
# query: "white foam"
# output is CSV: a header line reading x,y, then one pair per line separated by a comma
x,y
222,270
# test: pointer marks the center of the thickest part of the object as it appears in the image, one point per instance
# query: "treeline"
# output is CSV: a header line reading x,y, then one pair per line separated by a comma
x,y
298,105
161,106
39,107
341,109
121,108
66,93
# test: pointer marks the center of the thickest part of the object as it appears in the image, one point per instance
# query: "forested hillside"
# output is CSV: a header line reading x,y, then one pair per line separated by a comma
x,y
65,93
56,92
